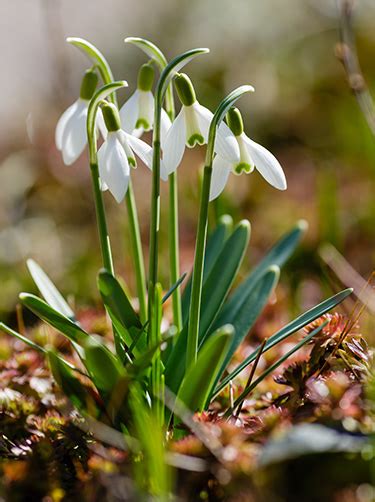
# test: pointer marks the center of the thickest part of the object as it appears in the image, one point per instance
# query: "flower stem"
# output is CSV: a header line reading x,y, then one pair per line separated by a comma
x,y
197,281
135,239
174,250
101,219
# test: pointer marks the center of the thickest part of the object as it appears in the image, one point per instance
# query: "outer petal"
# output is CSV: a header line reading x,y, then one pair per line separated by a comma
x,y
101,124
174,146
102,172
129,113
116,171
225,144
61,124
267,164
163,171
140,148
74,138
165,125
221,169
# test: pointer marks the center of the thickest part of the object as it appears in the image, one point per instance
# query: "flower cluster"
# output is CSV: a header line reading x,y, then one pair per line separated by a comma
x,y
121,131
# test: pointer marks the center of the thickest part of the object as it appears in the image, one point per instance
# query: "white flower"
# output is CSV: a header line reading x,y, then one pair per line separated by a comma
x,y
116,155
137,114
71,135
191,127
251,155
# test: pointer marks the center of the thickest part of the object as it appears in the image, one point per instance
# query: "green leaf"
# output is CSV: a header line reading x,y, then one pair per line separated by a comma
x,y
250,310
49,291
33,345
173,288
125,320
102,365
70,385
58,321
199,379
9,331
273,367
215,243
214,293
288,330
278,255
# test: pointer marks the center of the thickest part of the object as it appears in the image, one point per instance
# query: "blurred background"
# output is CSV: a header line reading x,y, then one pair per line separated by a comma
x,y
302,110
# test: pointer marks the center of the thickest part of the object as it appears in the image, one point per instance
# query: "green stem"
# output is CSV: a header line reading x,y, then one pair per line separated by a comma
x,y
101,219
197,280
174,251
135,239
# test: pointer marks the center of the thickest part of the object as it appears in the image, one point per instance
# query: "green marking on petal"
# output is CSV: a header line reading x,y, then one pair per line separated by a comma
x,y
132,162
141,122
243,167
195,139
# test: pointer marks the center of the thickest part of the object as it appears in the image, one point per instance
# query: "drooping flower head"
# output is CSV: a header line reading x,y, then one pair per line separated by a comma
x,y
71,134
251,155
191,128
116,155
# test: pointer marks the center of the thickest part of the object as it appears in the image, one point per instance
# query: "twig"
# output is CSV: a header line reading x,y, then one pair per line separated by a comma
x,y
346,52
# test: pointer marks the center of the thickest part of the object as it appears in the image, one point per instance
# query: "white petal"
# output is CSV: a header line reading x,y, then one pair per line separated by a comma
x,y
165,125
267,164
146,108
101,166
174,146
61,124
163,171
101,124
129,113
115,171
221,169
225,144
140,148
74,138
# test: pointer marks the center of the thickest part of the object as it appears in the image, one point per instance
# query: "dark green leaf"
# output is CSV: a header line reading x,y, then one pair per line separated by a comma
x,y
215,243
288,330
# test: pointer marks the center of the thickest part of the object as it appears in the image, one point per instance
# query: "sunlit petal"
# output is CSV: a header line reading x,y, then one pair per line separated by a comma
x,y
116,172
174,146
61,124
267,164
221,169
74,138
129,113
140,148
165,124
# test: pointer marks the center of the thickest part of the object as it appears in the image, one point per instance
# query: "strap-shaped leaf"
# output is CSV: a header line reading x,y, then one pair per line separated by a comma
x,y
278,255
48,290
125,320
102,365
250,310
215,243
288,330
273,367
215,290
51,316
199,379
70,385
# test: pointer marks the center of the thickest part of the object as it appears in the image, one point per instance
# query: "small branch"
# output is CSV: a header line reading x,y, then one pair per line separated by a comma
x,y
346,52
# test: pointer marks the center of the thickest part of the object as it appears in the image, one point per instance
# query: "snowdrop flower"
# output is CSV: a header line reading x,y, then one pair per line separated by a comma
x,y
71,135
191,128
116,155
137,114
251,155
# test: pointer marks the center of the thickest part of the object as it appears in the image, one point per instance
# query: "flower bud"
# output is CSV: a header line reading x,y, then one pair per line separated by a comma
x,y
185,89
234,121
88,85
111,117
146,76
